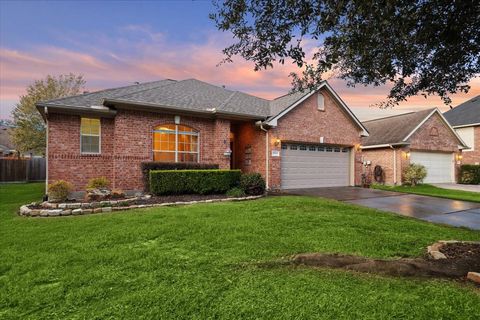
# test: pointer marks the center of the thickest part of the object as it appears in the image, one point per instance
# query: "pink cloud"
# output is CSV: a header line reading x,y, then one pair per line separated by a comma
x,y
108,62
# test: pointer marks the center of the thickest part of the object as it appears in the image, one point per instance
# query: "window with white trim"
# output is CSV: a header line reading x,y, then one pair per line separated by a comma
x,y
89,136
320,102
175,143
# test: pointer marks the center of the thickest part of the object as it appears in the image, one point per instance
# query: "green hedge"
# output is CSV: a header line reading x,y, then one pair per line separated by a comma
x,y
164,182
469,174
155,165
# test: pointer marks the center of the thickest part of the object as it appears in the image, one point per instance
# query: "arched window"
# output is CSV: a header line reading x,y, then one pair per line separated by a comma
x,y
320,102
175,143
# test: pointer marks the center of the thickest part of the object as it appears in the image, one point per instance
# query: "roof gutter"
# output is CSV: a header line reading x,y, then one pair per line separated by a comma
x,y
385,145
96,111
466,125
145,106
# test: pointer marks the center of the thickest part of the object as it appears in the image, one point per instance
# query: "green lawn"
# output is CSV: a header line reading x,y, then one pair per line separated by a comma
x,y
206,261
429,190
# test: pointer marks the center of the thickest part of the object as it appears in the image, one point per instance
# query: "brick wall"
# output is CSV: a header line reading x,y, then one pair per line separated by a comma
x,y
473,157
126,142
384,158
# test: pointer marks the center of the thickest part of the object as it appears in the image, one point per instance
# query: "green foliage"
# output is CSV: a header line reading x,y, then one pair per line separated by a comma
x,y
98,183
223,260
236,192
420,47
163,182
155,165
59,190
28,135
469,174
414,174
252,183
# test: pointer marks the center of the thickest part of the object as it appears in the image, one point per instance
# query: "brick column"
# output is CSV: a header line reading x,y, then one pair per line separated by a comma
x,y
221,137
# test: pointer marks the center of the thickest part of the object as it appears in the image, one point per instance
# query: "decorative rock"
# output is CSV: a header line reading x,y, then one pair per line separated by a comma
x,y
24,210
44,213
54,213
62,205
97,210
147,196
73,205
66,212
107,209
76,212
113,203
34,212
86,205
474,276
437,255
87,211
97,194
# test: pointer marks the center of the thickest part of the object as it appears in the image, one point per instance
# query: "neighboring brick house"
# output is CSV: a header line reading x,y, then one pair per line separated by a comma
x,y
465,119
307,139
423,137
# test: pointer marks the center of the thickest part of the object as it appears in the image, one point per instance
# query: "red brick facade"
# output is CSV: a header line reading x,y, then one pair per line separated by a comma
x,y
432,136
473,157
126,142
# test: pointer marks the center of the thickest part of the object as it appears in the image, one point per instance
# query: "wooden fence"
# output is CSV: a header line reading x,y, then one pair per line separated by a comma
x,y
21,170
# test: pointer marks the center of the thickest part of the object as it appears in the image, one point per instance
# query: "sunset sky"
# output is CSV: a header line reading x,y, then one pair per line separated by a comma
x,y
117,43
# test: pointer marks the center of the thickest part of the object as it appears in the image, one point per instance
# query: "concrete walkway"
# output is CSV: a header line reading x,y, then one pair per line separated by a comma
x,y
452,212
456,186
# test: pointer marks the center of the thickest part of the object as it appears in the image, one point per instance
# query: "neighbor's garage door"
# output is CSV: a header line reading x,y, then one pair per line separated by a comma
x,y
310,166
439,165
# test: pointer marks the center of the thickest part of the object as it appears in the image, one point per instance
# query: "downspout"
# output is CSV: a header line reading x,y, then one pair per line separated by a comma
x,y
267,169
46,151
394,165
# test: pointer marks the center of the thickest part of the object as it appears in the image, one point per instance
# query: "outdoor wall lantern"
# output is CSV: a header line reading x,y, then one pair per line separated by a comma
x,y
228,152
277,142
407,155
459,157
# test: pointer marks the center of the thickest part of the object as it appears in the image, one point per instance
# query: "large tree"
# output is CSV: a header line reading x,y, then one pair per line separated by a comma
x,y
28,134
418,46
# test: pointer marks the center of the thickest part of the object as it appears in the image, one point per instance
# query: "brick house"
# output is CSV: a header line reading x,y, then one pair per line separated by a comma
x,y
423,137
307,139
465,119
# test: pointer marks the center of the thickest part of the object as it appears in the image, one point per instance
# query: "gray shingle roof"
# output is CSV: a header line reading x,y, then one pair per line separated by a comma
x,y
197,95
394,129
96,98
279,104
465,113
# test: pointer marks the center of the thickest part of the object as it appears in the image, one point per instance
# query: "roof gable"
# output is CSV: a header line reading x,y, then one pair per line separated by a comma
x,y
281,106
398,129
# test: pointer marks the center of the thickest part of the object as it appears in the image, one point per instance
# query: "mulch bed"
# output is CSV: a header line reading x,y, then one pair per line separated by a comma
x,y
461,259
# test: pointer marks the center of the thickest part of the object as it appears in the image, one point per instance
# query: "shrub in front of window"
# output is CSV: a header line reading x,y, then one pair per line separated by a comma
x,y
469,174
166,182
253,184
59,190
236,192
98,183
154,165
414,174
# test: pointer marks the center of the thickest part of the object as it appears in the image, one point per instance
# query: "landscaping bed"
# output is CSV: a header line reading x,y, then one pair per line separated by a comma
x,y
50,209
460,258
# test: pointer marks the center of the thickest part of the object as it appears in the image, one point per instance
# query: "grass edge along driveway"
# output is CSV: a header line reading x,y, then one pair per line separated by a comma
x,y
429,190
208,261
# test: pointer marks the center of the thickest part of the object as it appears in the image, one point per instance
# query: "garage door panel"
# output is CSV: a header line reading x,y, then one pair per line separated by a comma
x,y
439,165
314,168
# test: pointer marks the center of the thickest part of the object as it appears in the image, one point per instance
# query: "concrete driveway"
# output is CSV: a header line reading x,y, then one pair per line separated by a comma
x,y
451,212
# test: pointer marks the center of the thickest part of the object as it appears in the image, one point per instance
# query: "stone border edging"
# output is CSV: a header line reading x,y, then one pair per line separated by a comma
x,y
68,209
434,249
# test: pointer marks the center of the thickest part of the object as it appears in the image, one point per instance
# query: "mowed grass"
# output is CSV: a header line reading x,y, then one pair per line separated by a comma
x,y
209,261
429,190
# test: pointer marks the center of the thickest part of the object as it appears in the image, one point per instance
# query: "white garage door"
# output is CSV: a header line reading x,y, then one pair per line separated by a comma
x,y
439,165
310,166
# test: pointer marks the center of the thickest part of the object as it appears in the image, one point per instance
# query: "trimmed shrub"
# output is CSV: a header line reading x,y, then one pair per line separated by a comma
x,y
236,192
98,183
253,184
469,174
165,182
414,174
59,190
153,165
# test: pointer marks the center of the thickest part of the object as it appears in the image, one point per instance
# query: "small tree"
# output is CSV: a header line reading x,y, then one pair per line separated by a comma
x,y
28,133
414,174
